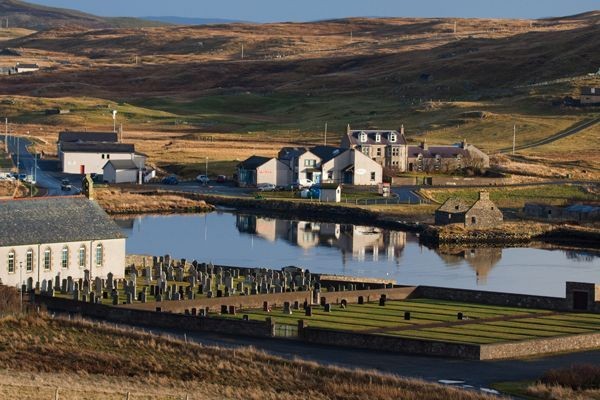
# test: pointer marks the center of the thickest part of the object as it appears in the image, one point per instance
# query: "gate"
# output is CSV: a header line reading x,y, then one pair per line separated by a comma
x,y
286,331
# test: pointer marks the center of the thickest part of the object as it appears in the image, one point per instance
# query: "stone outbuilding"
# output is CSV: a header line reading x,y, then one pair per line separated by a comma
x,y
481,214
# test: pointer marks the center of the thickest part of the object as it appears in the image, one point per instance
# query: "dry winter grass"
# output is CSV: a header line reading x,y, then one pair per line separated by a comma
x,y
93,361
120,200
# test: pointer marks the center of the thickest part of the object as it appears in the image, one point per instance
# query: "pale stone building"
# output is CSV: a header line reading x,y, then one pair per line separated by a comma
x,y
42,238
481,214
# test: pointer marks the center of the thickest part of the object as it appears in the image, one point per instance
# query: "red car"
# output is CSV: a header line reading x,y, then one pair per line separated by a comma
x,y
221,179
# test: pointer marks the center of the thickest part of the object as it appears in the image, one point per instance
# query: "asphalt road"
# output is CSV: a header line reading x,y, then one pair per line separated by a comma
x,y
476,374
27,165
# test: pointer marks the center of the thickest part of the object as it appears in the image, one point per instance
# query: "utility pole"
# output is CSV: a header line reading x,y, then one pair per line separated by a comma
x,y
242,51
514,138
325,133
455,27
114,115
6,135
351,36
206,171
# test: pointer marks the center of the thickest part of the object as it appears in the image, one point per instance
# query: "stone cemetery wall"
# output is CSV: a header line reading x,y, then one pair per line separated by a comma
x,y
540,346
154,319
388,343
491,298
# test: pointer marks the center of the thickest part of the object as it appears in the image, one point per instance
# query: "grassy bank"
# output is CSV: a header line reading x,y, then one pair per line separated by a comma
x,y
93,361
122,201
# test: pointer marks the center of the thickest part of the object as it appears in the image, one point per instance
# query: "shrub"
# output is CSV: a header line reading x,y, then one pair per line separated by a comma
x,y
9,300
577,377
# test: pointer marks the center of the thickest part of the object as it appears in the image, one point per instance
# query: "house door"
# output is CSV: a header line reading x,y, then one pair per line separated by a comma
x,y
348,177
82,169
580,300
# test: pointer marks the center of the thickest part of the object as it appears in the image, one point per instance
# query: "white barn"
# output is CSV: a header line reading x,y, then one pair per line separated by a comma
x,y
90,158
42,238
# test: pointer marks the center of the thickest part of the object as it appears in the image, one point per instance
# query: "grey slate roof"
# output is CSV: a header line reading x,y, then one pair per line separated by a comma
x,y
97,148
432,151
69,136
326,153
385,136
54,220
253,162
121,164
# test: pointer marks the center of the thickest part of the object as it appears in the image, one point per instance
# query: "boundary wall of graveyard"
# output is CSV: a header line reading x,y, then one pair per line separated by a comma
x,y
153,319
170,317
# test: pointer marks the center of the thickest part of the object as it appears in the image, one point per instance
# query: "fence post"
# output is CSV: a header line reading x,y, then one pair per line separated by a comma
x,y
128,394
56,394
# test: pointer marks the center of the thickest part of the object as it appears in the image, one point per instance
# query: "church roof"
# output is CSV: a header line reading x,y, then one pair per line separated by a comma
x,y
54,220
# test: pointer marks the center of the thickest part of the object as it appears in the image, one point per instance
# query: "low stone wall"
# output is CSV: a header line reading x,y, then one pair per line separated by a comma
x,y
467,181
491,298
274,299
152,319
388,343
540,346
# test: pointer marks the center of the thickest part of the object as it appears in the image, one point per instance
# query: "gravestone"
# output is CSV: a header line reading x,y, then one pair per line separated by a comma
x,y
327,307
232,310
407,315
308,311
224,309
361,300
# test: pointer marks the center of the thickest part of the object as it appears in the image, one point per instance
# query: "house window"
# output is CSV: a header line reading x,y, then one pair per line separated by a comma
x,y
365,150
103,156
310,163
108,156
99,255
11,262
372,176
393,138
395,151
330,175
29,261
82,256
473,220
64,260
47,258
363,137
379,152
378,138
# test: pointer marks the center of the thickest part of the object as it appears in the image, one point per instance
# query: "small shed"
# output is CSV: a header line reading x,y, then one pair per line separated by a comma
x,y
331,192
121,171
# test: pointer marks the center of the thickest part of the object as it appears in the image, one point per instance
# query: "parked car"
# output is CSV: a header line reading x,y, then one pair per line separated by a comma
x,y
65,185
170,180
22,177
221,179
203,179
266,187
302,184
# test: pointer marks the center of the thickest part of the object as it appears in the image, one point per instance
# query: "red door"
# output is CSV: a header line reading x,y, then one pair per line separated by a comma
x,y
82,169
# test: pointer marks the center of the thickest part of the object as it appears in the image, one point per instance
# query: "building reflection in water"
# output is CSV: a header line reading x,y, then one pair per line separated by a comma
x,y
358,242
481,260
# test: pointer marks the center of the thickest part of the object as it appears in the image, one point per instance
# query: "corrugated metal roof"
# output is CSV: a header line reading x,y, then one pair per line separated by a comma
x,y
54,220
69,136
121,164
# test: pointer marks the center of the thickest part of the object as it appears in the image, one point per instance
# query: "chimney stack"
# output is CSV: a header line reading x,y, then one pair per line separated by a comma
x,y
424,144
348,129
483,195
402,130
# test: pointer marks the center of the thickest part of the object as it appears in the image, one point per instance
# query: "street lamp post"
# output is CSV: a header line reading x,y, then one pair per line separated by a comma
x,y
206,171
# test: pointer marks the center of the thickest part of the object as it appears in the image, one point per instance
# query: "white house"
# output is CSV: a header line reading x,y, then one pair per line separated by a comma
x,y
352,167
121,171
258,170
23,68
90,158
42,238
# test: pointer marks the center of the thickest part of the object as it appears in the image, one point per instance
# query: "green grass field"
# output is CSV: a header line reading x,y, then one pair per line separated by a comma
x,y
517,197
519,324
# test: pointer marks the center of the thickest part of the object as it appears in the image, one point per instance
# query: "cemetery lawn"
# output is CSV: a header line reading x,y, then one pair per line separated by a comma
x,y
86,360
483,324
